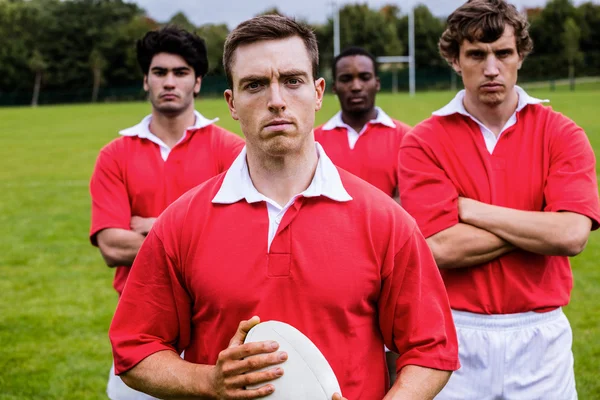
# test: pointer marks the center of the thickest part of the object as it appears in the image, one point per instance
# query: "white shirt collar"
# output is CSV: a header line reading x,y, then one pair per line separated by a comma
x,y
237,184
142,129
337,122
456,104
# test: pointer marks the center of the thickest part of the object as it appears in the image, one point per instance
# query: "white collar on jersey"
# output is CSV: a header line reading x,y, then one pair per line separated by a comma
x,y
337,122
237,184
142,129
456,104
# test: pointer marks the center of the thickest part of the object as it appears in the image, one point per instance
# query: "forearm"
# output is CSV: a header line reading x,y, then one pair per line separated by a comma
x,y
464,245
547,233
166,376
119,246
418,383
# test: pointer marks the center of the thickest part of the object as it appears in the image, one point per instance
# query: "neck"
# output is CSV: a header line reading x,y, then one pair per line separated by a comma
x,y
358,120
281,178
492,116
170,128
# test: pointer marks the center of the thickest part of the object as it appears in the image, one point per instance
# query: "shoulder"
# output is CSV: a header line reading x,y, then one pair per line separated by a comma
x,y
401,127
216,132
118,149
429,131
540,114
191,206
552,125
373,201
321,133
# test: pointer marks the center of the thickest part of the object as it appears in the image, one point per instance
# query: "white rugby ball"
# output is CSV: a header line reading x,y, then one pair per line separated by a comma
x,y
306,373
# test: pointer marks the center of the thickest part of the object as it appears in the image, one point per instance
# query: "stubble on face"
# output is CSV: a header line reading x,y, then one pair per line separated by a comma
x,y
356,85
274,96
171,84
489,70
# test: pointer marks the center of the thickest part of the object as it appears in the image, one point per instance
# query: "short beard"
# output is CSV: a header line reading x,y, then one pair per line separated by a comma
x,y
359,114
170,111
492,101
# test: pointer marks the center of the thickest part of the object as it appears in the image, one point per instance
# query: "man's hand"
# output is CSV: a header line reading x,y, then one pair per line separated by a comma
x,y
238,365
141,225
468,208
337,396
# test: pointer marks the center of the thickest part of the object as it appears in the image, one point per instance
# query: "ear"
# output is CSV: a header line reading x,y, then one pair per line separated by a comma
x,y
378,85
198,85
146,86
521,59
319,91
456,66
231,104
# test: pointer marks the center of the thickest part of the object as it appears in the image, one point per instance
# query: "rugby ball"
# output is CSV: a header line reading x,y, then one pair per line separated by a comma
x,y
306,373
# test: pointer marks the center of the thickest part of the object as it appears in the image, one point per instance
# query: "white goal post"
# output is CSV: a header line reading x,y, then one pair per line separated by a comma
x,y
410,59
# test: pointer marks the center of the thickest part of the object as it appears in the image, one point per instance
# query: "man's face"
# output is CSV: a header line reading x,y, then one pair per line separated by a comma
x,y
355,84
489,70
274,95
171,84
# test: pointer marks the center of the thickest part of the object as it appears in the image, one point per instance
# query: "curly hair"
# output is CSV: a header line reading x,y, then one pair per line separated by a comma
x,y
173,40
483,21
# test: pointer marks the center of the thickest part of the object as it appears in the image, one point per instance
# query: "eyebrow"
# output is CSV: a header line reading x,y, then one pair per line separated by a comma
x,y
263,78
177,69
499,50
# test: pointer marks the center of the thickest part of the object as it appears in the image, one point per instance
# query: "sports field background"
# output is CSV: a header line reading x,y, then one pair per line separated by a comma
x,y
56,296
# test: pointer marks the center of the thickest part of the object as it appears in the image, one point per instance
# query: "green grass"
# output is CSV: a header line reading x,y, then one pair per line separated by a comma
x,y
56,298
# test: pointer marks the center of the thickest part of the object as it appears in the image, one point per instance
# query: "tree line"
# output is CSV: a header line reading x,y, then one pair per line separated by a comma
x,y
86,45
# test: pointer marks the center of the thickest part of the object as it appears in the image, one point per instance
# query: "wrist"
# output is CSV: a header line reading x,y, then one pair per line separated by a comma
x,y
204,385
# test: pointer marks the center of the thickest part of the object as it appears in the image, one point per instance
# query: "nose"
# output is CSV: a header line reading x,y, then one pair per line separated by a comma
x,y
356,85
491,66
276,103
169,81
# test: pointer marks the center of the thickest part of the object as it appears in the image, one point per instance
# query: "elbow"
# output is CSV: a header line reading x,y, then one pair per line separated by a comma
x,y
109,254
129,379
575,235
573,245
441,255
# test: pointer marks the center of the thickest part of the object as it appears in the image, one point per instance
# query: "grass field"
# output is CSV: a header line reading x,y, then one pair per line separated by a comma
x,y
56,298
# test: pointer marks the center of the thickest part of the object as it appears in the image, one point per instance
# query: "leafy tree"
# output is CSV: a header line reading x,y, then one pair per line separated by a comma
x,y
547,28
182,21
215,36
271,11
428,30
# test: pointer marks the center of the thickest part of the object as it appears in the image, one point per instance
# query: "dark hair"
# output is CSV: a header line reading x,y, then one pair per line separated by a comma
x,y
353,51
173,40
269,27
483,21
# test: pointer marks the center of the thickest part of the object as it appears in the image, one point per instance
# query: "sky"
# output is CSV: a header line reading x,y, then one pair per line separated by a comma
x,y
232,12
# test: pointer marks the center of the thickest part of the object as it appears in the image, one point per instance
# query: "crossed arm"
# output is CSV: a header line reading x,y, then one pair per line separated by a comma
x,y
120,246
486,232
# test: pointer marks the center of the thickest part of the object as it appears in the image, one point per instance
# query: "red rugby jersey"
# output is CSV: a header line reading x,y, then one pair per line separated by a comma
x,y
542,163
350,275
374,157
131,178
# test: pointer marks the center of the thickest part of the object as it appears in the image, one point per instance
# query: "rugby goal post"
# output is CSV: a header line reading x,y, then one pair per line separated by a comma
x,y
410,59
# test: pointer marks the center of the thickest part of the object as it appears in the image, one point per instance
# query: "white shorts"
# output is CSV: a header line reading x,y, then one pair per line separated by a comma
x,y
524,356
118,390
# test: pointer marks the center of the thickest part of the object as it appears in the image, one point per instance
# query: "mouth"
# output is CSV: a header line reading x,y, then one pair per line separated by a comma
x,y
169,96
492,87
357,100
278,125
